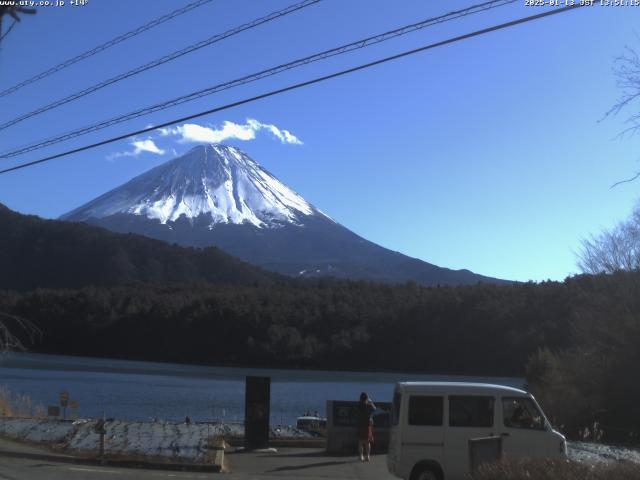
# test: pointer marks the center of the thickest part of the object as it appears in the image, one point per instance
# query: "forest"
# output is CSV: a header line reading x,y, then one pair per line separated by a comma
x,y
50,253
96,293
576,341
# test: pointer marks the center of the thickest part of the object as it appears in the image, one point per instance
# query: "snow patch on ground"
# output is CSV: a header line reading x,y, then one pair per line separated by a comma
x,y
36,430
598,453
172,441
190,443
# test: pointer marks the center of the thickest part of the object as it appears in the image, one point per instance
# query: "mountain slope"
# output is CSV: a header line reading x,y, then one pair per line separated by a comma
x,y
215,181
38,253
217,195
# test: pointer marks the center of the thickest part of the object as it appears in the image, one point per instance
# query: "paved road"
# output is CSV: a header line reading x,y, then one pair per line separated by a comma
x,y
27,469
293,463
307,464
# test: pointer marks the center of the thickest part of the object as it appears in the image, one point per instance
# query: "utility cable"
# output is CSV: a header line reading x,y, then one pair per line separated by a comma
x,y
167,58
296,86
106,45
260,75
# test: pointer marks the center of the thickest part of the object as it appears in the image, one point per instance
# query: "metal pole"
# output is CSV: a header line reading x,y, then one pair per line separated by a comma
x,y
102,432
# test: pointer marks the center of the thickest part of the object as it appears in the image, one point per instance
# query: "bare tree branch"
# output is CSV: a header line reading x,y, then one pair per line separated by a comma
x,y
9,325
628,180
613,250
627,73
626,69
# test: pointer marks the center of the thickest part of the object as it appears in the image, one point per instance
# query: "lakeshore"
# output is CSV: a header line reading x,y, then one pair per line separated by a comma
x,y
145,391
138,389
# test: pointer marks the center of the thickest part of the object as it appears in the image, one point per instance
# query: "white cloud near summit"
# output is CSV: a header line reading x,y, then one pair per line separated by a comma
x,y
194,133
139,146
191,132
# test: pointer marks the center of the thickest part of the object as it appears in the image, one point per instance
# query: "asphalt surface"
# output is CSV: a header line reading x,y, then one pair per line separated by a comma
x,y
299,463
303,463
29,469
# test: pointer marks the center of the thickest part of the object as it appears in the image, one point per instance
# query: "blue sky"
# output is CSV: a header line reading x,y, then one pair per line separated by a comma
x,y
487,154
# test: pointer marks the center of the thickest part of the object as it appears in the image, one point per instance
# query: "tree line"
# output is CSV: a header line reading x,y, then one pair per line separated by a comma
x,y
49,253
576,341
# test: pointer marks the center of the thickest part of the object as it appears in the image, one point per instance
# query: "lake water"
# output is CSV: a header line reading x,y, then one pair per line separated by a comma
x,y
135,390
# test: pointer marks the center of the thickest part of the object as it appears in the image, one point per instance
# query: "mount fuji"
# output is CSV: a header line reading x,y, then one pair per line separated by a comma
x,y
216,195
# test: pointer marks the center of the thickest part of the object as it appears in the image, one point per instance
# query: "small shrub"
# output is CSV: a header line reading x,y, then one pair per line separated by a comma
x,y
18,406
5,402
546,469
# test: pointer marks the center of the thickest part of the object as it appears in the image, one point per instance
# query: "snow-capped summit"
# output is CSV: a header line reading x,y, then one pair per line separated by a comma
x,y
215,195
217,181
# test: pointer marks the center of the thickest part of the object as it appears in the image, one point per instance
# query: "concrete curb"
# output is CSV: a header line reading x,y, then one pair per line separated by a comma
x,y
299,442
111,462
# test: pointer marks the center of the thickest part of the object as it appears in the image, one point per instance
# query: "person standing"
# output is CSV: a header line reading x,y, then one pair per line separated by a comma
x,y
365,426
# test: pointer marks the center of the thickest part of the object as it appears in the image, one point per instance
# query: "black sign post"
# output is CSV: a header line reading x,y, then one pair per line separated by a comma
x,y
64,401
257,411
101,429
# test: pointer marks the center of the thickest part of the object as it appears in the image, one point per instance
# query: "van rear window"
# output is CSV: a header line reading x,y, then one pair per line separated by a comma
x,y
425,410
471,411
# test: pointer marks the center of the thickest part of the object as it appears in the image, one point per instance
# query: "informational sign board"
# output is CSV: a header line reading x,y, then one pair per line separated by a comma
x,y
53,411
342,423
257,410
345,414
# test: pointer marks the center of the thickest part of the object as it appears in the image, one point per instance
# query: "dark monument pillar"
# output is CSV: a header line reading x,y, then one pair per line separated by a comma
x,y
256,412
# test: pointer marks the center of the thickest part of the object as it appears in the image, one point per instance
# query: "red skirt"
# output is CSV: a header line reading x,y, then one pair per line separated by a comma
x,y
365,433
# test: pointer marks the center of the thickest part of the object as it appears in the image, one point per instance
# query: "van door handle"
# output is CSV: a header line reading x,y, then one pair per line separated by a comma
x,y
505,434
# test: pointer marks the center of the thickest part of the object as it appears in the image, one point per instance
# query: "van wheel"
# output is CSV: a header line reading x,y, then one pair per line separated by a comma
x,y
425,473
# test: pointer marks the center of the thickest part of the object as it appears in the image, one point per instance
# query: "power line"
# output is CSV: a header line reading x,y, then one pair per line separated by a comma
x,y
260,75
167,58
296,86
104,46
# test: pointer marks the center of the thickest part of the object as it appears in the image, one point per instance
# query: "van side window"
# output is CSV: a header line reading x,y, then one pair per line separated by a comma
x,y
425,410
471,411
521,412
395,409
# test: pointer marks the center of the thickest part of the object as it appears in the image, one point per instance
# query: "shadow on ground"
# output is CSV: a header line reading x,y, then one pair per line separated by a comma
x,y
306,466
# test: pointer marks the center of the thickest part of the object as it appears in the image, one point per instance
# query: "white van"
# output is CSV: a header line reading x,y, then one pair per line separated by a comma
x,y
432,423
